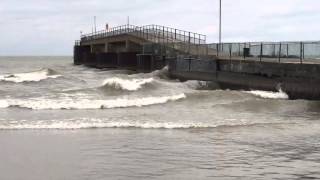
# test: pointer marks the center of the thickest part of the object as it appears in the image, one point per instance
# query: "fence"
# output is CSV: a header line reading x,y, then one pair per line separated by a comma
x,y
171,42
153,33
296,52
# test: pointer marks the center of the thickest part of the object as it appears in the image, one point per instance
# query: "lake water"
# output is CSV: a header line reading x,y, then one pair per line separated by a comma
x,y
60,121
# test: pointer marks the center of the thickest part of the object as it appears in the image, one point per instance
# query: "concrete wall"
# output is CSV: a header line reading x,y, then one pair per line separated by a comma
x,y
107,60
127,60
298,81
269,69
149,62
196,65
79,52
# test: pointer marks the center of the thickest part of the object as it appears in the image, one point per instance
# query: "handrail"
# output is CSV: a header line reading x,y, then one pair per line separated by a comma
x,y
161,32
293,51
77,43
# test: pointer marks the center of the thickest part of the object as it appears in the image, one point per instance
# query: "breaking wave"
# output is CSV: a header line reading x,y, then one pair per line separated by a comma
x,y
269,94
99,123
127,84
88,125
30,76
41,104
4,104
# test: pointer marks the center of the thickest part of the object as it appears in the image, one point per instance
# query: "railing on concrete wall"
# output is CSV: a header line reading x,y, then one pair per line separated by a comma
x,y
282,52
124,29
153,33
77,43
170,42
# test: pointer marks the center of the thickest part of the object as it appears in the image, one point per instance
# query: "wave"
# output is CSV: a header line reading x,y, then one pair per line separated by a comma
x,y
99,123
4,104
41,104
34,76
89,125
127,84
269,94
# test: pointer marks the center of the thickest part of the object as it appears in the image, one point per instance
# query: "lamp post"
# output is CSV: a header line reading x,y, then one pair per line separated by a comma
x,y
220,22
95,23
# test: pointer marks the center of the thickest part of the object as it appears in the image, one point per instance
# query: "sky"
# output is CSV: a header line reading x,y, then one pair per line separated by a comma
x,y
50,27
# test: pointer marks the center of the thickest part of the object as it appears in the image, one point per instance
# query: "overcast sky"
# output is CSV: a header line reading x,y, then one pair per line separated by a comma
x,y
50,27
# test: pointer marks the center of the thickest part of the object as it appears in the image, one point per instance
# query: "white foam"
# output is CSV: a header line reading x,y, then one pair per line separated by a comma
x,y
67,103
269,94
127,84
28,77
4,104
86,125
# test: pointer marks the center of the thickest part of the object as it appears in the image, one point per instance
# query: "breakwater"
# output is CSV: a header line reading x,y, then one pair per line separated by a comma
x,y
299,81
291,67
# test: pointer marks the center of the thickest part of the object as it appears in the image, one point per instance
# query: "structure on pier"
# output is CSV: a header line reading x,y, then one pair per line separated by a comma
x,y
128,45
132,46
292,66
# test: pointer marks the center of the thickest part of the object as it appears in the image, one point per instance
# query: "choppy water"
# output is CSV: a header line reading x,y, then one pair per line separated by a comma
x,y
59,121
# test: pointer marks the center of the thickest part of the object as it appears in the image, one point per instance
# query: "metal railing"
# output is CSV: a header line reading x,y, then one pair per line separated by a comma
x,y
171,41
124,29
282,52
77,43
152,33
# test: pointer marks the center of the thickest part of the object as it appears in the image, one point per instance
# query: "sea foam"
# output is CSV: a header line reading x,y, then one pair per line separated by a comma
x,y
4,104
87,123
30,76
269,94
42,103
127,84
97,124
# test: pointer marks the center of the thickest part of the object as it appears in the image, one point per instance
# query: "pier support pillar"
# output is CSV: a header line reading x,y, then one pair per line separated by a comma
x,y
127,45
106,47
91,48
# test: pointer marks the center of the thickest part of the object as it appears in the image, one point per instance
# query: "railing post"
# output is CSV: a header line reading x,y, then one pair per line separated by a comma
x,y
143,32
274,50
301,52
261,52
167,37
163,34
230,51
147,33
189,43
280,47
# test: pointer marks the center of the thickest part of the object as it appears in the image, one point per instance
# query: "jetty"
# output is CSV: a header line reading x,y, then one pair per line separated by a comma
x,y
292,67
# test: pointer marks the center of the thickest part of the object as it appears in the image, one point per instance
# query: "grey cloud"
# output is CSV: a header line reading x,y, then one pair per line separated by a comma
x,y
49,27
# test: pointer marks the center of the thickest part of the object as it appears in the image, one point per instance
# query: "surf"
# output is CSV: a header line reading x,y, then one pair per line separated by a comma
x,y
52,104
126,84
34,76
269,94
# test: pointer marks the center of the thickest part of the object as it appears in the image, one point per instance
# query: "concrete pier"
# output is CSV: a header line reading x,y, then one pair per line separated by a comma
x,y
298,81
290,66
